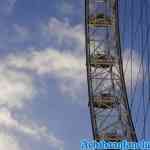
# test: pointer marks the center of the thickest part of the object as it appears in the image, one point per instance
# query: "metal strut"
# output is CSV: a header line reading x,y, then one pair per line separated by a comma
x,y
108,102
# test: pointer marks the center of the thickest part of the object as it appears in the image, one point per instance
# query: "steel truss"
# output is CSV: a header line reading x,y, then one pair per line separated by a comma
x,y
108,102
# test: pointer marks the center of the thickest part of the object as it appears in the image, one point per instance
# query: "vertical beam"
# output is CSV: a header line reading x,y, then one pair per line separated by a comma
x,y
92,115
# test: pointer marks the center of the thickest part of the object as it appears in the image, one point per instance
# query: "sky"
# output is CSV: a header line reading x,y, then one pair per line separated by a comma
x,y
43,90
135,43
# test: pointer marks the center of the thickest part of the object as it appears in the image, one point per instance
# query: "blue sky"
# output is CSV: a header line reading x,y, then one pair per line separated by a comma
x,y
43,90
43,96
134,30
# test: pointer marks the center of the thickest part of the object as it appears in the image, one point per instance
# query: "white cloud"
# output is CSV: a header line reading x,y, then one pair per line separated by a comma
x,y
63,31
67,68
48,61
8,142
30,129
16,88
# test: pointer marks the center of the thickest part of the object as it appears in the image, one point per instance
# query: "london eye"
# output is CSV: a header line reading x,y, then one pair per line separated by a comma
x,y
118,68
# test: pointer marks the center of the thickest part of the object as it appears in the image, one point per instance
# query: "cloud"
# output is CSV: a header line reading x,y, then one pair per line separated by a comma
x,y
17,84
66,67
16,88
55,33
17,71
30,129
8,142
48,61
63,32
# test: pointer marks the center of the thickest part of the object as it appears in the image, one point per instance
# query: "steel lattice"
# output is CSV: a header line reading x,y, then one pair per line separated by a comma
x,y
108,102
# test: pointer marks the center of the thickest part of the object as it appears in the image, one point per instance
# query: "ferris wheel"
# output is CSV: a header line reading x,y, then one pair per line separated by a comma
x,y
118,75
